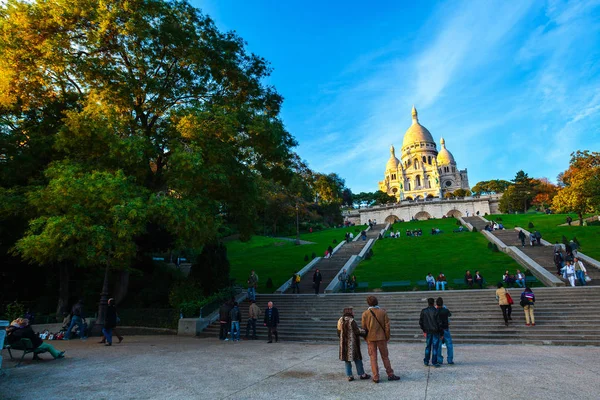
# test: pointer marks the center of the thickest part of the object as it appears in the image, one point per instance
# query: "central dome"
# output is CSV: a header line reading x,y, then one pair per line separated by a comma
x,y
416,133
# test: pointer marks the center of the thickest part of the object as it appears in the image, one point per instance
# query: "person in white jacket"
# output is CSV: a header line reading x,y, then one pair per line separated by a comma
x,y
580,271
569,273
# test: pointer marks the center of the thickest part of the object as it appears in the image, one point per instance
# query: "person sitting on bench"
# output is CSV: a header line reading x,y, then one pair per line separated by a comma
x,y
441,282
20,329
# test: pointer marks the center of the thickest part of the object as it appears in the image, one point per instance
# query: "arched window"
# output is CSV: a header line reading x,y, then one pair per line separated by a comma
x,y
418,181
453,169
424,159
393,177
408,186
427,182
429,160
416,163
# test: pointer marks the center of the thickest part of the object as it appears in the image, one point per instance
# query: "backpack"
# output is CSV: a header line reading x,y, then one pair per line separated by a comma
x,y
297,280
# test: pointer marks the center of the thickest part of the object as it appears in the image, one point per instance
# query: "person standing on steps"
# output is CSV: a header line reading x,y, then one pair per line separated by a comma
x,y
317,278
376,323
224,320
502,298
253,315
580,271
349,334
538,237
522,237
296,283
271,321
343,278
527,301
558,262
235,316
429,322
252,285
444,315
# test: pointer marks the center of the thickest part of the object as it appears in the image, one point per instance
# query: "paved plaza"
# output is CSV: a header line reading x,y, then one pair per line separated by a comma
x,y
169,367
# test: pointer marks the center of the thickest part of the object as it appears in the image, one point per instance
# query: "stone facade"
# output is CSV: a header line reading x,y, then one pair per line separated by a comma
x,y
422,172
425,209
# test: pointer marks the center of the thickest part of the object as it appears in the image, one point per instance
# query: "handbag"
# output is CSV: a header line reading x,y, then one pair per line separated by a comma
x,y
524,303
509,299
587,278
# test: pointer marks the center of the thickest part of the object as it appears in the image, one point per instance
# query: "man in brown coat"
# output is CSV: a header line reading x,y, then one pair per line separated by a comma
x,y
377,324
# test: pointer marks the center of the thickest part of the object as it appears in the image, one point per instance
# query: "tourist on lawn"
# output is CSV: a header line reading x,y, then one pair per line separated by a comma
x,y
469,279
508,279
520,279
271,321
235,316
20,329
430,281
349,334
110,323
77,318
252,285
430,324
376,323
503,303
479,279
253,315
444,315
580,271
522,237
527,301
296,283
224,320
352,284
343,278
317,278
441,282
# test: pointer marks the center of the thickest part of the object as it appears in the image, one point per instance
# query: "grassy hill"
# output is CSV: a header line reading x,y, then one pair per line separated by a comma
x,y
411,258
278,258
549,227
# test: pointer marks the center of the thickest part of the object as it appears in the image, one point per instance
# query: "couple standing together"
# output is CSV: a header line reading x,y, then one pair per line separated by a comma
x,y
376,330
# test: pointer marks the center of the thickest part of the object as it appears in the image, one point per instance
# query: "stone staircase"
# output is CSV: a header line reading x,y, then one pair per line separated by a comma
x,y
329,267
564,316
543,255
477,222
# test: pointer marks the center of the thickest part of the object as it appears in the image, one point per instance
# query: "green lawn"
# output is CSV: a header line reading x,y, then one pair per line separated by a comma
x,y
411,258
548,225
276,258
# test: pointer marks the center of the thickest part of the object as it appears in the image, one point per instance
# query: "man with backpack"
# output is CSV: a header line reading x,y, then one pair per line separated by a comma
x,y
296,283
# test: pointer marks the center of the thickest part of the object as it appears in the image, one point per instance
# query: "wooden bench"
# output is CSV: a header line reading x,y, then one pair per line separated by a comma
x,y
395,284
26,347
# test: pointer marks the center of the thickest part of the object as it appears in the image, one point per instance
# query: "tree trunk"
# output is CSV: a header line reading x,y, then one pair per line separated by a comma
x,y
103,304
580,215
121,287
63,291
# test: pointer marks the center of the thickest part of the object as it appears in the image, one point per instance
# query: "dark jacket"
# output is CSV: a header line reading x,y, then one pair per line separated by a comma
x,y
429,321
111,317
444,314
528,297
224,312
77,310
271,316
235,315
317,278
15,334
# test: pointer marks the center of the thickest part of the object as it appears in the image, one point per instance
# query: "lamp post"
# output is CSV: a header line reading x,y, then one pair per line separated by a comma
x,y
297,225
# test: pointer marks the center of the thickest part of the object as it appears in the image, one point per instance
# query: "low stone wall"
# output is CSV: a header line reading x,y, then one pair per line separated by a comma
x,y
468,225
193,326
536,269
491,238
334,285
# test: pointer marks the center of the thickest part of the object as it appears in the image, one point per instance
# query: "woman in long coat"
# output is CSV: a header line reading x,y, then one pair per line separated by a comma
x,y
349,334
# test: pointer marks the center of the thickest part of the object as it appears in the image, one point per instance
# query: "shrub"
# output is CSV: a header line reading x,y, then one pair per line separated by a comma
x,y
576,241
269,283
475,229
458,223
530,225
334,241
306,257
15,310
565,241
313,255
495,248
490,245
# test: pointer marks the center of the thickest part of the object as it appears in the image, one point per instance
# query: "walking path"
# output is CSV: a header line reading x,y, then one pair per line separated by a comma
x,y
159,367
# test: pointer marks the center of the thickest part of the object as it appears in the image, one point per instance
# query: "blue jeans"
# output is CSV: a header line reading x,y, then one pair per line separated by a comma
x,y
431,285
432,344
580,277
442,284
107,334
235,330
251,293
75,320
359,367
520,282
449,348
343,285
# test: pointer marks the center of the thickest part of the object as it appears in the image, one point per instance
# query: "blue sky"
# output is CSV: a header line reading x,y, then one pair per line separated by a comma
x,y
510,85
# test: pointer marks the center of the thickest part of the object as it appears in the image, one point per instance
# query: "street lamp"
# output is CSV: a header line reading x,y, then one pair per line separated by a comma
x,y
297,225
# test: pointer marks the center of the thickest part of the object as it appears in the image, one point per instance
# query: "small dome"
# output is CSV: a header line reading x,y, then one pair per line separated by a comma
x,y
392,164
444,157
416,133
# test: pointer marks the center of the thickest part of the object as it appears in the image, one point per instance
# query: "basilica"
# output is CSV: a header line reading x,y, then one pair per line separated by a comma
x,y
423,171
